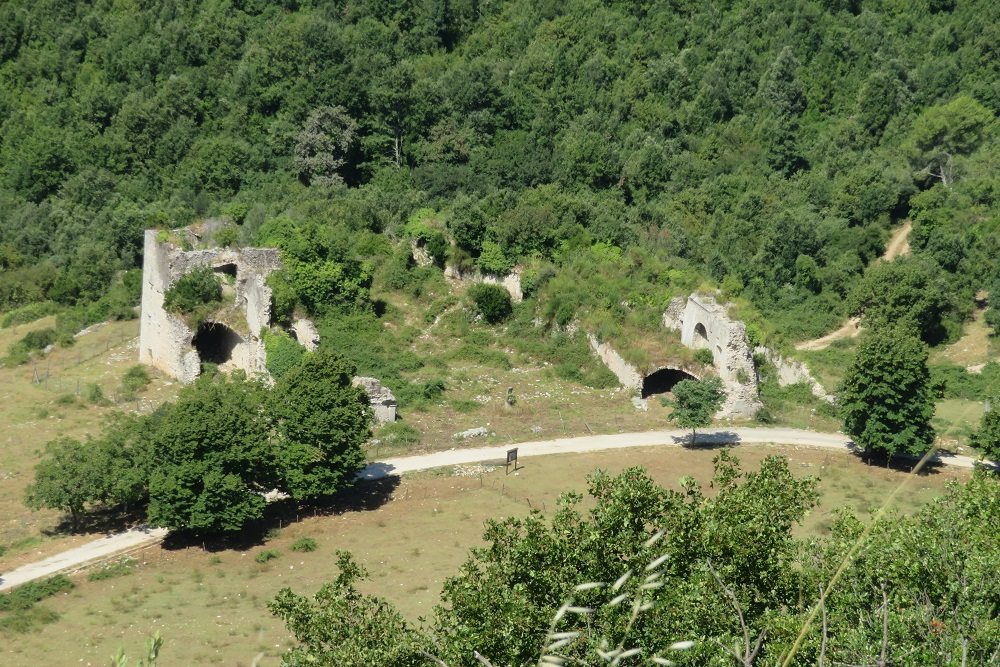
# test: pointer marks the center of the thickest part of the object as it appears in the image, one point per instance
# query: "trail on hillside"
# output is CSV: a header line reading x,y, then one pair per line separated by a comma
x,y
898,245
138,538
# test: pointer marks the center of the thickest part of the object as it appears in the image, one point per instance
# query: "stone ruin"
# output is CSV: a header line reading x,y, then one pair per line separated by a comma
x,y
380,397
231,337
705,324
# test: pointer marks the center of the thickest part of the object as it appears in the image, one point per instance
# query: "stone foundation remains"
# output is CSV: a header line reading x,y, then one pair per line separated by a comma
x,y
704,323
380,397
511,282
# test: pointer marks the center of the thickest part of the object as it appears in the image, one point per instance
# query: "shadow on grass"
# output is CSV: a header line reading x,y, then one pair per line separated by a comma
x,y
708,440
364,496
900,462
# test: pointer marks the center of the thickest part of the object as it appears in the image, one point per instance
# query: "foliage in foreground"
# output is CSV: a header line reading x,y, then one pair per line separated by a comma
x,y
648,567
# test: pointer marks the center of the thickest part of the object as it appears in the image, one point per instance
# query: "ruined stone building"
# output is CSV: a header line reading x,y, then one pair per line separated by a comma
x,y
705,324
230,337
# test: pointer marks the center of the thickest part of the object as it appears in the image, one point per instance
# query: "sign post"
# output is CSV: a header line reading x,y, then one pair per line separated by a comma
x,y
511,458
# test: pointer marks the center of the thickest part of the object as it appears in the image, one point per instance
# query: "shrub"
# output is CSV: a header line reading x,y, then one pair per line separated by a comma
x,y
29,313
283,353
304,544
266,555
491,301
704,356
135,379
433,388
493,260
95,395
39,339
197,288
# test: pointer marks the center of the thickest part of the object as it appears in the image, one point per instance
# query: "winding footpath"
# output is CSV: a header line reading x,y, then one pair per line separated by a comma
x,y
138,538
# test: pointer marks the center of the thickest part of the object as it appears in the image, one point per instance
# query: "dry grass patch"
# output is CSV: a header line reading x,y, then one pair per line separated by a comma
x,y
210,606
47,398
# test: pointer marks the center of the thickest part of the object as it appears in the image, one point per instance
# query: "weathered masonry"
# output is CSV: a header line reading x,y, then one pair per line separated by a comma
x,y
705,324
168,343
231,337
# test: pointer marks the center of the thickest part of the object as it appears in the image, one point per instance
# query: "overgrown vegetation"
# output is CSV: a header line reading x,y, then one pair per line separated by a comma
x,y
650,569
744,146
193,291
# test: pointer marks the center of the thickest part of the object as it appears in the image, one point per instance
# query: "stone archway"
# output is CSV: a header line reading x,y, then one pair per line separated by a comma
x,y
663,381
700,336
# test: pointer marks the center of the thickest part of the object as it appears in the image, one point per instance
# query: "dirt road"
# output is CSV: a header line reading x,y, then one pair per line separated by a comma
x,y
126,541
898,245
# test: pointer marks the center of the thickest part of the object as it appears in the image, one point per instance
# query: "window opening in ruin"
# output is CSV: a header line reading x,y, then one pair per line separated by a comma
x,y
700,336
215,342
663,381
228,269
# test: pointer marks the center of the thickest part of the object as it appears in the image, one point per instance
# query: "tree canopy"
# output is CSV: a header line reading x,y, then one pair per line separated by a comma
x,y
886,398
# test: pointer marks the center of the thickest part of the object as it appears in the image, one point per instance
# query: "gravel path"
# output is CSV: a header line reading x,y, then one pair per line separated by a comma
x,y
117,543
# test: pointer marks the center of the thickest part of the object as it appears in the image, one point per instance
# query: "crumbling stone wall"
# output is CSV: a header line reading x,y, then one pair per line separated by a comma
x,y
166,341
380,397
704,323
511,282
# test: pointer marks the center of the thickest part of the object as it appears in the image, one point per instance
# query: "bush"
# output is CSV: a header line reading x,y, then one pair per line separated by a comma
x,y
135,379
195,289
39,339
266,555
704,356
304,544
95,395
491,301
29,313
433,388
283,353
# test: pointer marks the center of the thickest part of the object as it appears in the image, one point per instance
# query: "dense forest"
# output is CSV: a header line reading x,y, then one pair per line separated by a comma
x,y
617,151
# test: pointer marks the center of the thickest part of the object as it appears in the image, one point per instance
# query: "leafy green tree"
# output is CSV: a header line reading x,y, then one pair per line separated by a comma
x,y
695,402
321,146
322,421
780,89
905,292
943,133
341,626
987,437
70,477
886,398
214,457
283,353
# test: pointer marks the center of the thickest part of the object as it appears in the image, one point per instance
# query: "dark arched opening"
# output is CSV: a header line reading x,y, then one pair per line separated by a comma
x,y
663,381
700,336
215,342
226,269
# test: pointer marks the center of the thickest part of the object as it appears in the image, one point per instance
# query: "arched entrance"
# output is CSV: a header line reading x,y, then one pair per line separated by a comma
x,y
700,336
215,342
663,381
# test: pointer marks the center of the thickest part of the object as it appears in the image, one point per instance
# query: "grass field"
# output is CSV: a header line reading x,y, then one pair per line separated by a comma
x,y
210,604
975,347
46,398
